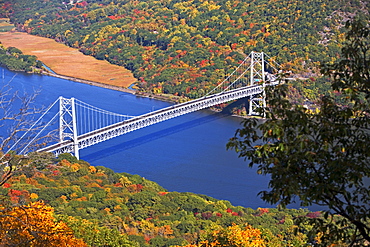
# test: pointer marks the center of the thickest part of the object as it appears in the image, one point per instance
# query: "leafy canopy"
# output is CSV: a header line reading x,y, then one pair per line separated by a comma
x,y
34,225
320,158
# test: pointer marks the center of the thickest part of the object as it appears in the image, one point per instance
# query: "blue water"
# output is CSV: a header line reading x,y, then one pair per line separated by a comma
x,y
185,154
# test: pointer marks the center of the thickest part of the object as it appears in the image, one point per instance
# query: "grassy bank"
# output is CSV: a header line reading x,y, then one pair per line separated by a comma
x,y
67,61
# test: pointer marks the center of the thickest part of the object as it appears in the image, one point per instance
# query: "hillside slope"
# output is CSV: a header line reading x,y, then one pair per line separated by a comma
x,y
105,208
186,47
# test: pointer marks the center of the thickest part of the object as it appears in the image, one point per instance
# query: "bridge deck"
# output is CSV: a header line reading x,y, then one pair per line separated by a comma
x,y
151,118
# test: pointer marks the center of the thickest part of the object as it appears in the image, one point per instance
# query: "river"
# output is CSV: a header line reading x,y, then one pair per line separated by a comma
x,y
185,154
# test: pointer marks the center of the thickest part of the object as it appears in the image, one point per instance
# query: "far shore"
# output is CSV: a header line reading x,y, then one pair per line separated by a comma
x,y
162,97
69,62
93,83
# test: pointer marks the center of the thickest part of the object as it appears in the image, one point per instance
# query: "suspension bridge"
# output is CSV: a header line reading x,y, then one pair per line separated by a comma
x,y
81,125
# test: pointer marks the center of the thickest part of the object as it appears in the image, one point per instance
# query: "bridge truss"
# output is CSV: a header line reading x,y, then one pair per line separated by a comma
x,y
82,125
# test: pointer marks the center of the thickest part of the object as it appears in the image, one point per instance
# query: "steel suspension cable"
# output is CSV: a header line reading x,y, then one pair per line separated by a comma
x,y
33,139
34,124
227,78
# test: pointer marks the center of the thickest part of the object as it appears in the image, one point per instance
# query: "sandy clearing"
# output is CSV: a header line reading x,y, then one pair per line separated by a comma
x,y
68,61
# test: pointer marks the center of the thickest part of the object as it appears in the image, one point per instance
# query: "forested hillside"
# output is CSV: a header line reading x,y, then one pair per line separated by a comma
x,y
175,47
104,208
186,47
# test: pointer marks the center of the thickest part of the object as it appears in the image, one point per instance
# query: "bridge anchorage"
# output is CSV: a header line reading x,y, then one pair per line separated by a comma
x,y
82,125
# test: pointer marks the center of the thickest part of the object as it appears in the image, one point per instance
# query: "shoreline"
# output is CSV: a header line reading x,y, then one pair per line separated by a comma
x,y
119,78
166,98
67,63
93,83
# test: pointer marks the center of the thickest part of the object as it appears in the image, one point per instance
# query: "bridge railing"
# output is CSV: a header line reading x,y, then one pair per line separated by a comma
x,y
151,118
238,84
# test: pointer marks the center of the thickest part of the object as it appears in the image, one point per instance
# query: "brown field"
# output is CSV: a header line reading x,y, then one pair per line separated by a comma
x,y
67,61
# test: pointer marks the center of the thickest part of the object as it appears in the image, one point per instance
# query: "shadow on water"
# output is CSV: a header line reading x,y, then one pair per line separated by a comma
x,y
153,136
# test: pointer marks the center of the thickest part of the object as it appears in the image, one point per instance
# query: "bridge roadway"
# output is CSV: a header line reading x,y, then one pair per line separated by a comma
x,y
151,118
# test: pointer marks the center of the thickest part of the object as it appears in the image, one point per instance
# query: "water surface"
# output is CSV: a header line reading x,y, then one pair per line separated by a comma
x,y
185,154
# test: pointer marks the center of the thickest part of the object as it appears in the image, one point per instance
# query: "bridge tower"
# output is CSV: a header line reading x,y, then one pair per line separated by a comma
x,y
93,125
257,76
68,123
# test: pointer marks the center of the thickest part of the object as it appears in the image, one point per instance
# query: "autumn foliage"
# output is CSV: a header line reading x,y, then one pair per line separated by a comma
x,y
233,236
34,225
187,47
105,208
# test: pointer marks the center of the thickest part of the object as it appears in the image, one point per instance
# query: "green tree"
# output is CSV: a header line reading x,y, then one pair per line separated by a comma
x,y
94,235
320,158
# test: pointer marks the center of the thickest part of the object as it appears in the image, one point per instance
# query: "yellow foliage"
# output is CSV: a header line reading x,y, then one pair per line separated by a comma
x,y
233,236
26,23
34,196
106,31
63,197
67,32
34,225
73,195
125,181
92,169
86,38
89,196
75,167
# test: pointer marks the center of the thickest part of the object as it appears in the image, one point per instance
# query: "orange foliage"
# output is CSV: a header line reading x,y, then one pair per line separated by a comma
x,y
262,211
165,231
75,167
34,225
65,163
32,181
34,196
82,199
162,193
233,46
251,43
92,169
93,184
64,198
